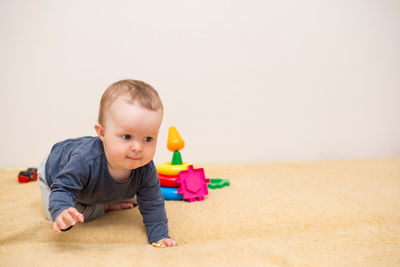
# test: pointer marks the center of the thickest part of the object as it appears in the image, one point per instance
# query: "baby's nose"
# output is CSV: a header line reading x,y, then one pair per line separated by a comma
x,y
136,146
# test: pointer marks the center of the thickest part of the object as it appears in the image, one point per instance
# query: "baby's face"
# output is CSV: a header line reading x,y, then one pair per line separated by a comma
x,y
130,135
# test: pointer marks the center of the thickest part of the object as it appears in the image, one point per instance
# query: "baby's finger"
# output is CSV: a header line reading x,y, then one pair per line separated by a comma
x,y
81,218
55,227
170,243
68,220
76,215
59,223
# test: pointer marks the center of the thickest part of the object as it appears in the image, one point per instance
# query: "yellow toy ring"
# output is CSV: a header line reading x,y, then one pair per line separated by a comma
x,y
167,169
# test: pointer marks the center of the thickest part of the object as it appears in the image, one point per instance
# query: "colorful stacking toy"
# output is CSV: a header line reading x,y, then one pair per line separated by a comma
x,y
179,179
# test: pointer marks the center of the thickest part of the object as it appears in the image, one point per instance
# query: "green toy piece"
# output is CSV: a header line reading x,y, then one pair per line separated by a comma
x,y
176,158
218,183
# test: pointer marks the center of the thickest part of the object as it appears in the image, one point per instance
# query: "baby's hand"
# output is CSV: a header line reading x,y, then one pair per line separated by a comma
x,y
67,218
167,242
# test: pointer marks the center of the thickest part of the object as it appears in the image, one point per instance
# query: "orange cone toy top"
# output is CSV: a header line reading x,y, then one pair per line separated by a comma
x,y
175,141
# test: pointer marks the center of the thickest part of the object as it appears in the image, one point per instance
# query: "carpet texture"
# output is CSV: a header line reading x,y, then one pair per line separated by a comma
x,y
316,213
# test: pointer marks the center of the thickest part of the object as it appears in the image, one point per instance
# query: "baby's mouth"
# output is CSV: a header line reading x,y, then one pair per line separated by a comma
x,y
133,157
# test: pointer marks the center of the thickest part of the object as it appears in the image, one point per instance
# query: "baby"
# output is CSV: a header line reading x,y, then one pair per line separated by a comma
x,y
83,178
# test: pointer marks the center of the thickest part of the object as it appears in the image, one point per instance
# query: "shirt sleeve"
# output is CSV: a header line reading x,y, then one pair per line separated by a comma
x,y
67,184
151,205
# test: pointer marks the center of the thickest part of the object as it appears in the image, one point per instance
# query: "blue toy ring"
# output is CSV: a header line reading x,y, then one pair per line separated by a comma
x,y
170,193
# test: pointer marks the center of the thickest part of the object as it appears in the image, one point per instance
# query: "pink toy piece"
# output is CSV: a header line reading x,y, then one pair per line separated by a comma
x,y
193,184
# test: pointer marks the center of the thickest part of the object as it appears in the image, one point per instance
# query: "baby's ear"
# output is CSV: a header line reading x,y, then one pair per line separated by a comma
x,y
99,130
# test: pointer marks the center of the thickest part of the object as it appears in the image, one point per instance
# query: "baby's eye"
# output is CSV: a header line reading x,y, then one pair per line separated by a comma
x,y
126,137
148,139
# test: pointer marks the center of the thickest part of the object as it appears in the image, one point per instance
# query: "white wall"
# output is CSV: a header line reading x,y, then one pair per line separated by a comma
x,y
241,80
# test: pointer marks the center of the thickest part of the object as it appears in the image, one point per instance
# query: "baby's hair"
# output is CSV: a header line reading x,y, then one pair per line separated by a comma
x,y
142,93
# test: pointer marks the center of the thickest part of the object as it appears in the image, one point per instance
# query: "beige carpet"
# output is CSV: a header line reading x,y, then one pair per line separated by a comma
x,y
318,213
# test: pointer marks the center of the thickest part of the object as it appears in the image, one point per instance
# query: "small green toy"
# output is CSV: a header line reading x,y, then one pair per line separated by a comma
x,y
218,183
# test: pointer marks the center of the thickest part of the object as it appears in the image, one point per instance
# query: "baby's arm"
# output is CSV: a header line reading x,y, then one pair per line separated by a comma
x,y
67,218
152,208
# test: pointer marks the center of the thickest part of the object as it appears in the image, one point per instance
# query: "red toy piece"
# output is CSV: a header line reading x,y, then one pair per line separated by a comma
x,y
27,176
167,180
193,184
